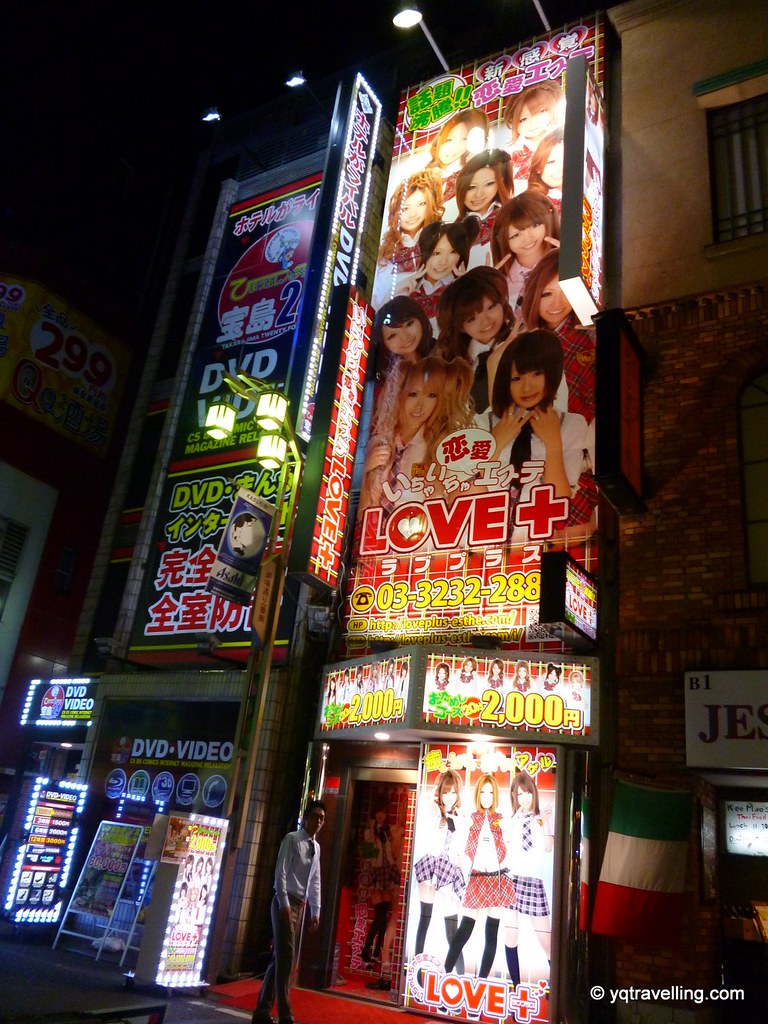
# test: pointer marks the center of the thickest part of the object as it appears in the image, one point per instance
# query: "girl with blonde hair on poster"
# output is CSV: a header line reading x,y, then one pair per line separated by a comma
x,y
489,887
416,202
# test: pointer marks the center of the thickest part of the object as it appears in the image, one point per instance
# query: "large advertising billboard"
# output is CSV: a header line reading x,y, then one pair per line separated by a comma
x,y
478,942
481,446
58,366
249,324
166,755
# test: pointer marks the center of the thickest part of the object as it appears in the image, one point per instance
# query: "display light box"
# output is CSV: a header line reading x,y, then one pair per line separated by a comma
x,y
568,605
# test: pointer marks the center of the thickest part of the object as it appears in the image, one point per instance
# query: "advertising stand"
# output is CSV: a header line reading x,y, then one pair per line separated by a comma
x,y
178,922
100,889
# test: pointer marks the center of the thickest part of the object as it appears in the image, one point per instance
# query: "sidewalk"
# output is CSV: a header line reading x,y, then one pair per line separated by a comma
x,y
42,985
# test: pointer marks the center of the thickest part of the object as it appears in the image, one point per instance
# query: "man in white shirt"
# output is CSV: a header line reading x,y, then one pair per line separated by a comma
x,y
297,881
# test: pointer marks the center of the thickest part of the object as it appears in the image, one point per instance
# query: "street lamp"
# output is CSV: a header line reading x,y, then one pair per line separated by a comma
x,y
276,449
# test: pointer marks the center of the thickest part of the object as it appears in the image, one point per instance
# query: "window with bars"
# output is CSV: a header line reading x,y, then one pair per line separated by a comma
x,y
754,464
738,153
12,537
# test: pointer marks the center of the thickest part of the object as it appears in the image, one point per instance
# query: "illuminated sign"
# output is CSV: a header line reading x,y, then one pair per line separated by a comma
x,y
58,366
343,255
249,323
745,827
59,703
106,867
581,240
525,693
333,501
44,859
483,838
196,843
459,491
370,692
235,571
568,605
726,719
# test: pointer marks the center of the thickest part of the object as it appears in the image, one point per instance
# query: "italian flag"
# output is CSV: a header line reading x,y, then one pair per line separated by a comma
x,y
584,867
640,892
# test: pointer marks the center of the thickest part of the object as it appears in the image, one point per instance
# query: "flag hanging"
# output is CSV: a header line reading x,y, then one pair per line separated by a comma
x,y
640,891
584,894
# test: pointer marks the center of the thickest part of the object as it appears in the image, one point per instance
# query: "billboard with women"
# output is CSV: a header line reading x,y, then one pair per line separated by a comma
x,y
479,930
481,446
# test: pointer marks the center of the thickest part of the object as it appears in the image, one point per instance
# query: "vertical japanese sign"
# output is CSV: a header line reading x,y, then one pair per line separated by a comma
x,y
196,844
479,932
481,446
249,324
58,366
327,537
43,861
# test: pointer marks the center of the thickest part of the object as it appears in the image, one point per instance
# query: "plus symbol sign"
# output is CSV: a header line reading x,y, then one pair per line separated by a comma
x,y
541,512
523,1003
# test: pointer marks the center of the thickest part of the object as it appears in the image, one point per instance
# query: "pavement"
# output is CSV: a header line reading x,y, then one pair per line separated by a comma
x,y
42,985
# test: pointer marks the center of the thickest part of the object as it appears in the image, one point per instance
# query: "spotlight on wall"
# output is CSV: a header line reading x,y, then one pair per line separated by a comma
x,y
211,114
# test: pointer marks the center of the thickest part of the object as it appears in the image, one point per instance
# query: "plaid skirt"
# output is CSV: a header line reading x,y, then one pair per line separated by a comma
x,y
489,889
442,871
531,896
386,876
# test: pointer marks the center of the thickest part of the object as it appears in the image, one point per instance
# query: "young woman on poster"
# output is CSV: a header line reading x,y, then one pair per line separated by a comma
x,y
449,148
483,185
444,250
496,675
528,429
437,869
530,840
546,175
545,305
529,116
522,678
401,332
385,839
489,886
419,404
474,317
526,228
416,202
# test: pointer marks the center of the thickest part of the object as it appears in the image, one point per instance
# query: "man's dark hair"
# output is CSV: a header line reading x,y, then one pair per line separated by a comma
x,y
312,805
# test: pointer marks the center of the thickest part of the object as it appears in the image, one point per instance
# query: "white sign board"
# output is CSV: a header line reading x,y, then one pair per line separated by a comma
x,y
745,827
726,719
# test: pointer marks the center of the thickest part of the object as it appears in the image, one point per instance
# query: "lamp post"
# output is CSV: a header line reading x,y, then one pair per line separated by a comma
x,y
277,448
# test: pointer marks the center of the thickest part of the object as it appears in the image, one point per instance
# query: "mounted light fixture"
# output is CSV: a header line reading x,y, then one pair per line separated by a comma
x,y
271,450
296,79
408,16
211,114
220,419
271,410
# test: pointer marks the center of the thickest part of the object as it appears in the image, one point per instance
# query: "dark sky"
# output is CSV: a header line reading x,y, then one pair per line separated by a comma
x,y
104,97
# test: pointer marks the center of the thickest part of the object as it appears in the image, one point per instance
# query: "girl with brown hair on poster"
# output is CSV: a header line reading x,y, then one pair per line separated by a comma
x,y
529,115
449,148
526,228
489,887
531,838
437,870
483,186
546,174
416,202
382,838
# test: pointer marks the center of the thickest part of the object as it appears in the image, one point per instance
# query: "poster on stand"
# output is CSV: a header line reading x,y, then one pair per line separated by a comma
x,y
195,843
106,867
478,942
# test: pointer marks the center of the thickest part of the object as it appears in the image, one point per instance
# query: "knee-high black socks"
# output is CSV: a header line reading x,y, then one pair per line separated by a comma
x,y
451,927
489,953
513,964
425,916
459,942
377,929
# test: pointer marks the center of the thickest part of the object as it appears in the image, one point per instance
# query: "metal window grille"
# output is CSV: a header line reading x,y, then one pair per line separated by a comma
x,y
738,140
754,467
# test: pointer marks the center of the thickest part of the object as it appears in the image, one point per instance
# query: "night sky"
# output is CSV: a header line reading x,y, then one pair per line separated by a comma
x,y
102,103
